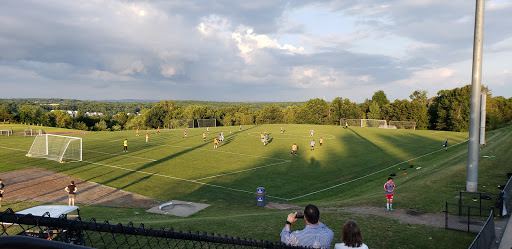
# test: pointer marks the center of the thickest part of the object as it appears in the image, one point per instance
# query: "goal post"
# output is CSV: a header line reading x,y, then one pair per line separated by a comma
x,y
350,122
211,122
56,147
408,125
182,123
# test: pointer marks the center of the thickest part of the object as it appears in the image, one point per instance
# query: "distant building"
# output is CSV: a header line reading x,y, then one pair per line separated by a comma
x,y
93,114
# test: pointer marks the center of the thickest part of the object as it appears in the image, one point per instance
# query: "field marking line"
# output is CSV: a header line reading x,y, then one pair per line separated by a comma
x,y
11,148
240,171
177,178
362,177
149,159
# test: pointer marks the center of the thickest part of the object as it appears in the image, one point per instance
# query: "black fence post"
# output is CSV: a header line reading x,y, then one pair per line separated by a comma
x,y
469,215
460,203
446,216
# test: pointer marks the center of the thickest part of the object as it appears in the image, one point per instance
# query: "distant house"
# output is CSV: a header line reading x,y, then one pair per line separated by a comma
x,y
93,114
72,113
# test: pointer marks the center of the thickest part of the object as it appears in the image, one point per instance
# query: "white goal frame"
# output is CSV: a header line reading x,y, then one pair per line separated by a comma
x,y
45,153
204,120
408,125
181,123
6,133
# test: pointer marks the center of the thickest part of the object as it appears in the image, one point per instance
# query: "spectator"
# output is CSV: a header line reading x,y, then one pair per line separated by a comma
x,y
2,190
315,234
351,237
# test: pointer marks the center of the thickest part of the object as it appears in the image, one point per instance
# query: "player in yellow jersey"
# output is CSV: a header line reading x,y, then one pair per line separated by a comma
x,y
215,143
294,149
204,137
137,132
125,145
262,137
321,141
158,130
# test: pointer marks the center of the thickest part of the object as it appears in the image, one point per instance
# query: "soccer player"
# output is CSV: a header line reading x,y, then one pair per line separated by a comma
x,y
215,143
262,138
389,187
294,149
240,129
207,130
137,132
446,145
204,137
147,136
2,190
265,132
312,131
158,130
71,189
313,144
125,145
281,130
265,139
346,125
185,133
321,141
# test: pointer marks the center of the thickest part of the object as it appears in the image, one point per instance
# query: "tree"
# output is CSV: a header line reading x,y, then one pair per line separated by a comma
x,y
27,114
270,115
380,98
101,126
121,119
419,96
290,114
314,111
374,112
5,113
63,120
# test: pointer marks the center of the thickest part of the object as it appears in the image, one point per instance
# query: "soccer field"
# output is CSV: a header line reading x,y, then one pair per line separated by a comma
x,y
170,166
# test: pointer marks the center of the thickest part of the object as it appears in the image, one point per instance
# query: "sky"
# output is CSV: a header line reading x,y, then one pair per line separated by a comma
x,y
231,50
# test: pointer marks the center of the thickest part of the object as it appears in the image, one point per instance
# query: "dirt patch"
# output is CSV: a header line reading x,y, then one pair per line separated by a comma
x,y
273,205
39,185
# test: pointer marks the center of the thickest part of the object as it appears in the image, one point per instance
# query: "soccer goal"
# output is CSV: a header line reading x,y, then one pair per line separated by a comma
x,y
409,125
56,147
211,122
375,123
30,132
182,123
6,133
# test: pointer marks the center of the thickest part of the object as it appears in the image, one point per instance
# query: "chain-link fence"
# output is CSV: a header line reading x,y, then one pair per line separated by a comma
x,y
105,235
465,218
485,238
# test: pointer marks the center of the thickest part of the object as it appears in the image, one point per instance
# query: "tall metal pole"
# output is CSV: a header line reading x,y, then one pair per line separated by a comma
x,y
474,115
482,118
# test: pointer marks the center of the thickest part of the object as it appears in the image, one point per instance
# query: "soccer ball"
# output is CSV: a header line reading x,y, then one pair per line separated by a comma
x,y
230,132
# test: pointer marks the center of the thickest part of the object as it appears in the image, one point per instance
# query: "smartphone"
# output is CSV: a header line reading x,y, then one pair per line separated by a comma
x,y
299,216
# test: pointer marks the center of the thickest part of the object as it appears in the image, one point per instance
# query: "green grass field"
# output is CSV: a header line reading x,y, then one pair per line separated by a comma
x,y
349,169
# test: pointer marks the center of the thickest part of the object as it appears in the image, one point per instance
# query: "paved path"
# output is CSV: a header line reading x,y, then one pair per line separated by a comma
x,y
39,185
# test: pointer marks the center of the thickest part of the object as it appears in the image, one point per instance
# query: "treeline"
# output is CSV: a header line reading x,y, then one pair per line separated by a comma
x,y
449,110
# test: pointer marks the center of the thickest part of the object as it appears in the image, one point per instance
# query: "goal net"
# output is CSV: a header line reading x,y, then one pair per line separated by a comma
x,y
410,125
212,122
56,147
6,133
182,123
374,123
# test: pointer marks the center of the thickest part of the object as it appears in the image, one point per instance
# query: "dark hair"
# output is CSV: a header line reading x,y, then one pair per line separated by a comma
x,y
312,213
72,182
390,178
352,234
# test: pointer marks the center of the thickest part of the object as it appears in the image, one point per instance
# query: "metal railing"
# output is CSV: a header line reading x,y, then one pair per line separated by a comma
x,y
105,235
506,195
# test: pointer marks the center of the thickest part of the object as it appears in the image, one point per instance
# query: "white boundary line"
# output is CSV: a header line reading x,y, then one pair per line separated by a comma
x,y
12,148
362,177
121,155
